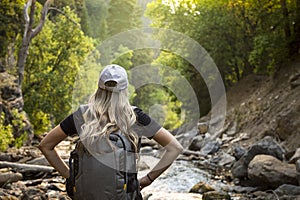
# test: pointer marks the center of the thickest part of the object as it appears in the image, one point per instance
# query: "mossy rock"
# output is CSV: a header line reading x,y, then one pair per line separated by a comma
x,y
201,188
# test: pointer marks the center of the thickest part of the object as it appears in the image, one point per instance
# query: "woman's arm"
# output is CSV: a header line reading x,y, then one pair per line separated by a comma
x,y
173,149
47,146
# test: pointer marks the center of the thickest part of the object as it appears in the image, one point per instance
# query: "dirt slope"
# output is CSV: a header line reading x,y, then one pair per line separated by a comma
x,y
263,105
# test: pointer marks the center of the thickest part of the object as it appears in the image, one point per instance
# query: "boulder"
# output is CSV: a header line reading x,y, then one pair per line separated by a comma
x,y
197,143
211,147
267,171
9,177
285,127
287,189
223,160
201,188
238,152
266,146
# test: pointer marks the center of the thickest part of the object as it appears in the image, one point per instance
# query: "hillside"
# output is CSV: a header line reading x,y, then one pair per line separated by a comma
x,y
262,105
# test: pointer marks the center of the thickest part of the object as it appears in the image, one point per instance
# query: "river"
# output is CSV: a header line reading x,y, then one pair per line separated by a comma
x,y
176,181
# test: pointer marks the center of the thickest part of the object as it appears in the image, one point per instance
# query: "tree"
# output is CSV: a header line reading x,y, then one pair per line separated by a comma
x,y
97,11
11,18
122,16
51,69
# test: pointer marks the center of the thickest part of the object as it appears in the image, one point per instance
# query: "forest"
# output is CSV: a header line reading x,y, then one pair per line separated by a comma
x,y
186,61
55,43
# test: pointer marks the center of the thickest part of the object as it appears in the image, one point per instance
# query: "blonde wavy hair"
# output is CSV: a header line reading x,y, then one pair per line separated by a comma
x,y
108,111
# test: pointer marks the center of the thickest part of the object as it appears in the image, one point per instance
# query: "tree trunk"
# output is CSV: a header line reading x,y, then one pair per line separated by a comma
x,y
29,33
23,52
285,14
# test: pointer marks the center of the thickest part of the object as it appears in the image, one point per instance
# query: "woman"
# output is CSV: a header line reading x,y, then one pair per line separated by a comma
x,y
109,107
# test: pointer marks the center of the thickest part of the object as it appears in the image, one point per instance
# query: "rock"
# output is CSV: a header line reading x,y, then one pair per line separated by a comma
x,y
223,160
39,161
294,80
266,146
240,189
238,152
211,147
267,171
201,188
146,142
287,127
57,186
203,127
287,189
9,177
216,195
5,196
295,157
260,195
197,143
298,170
298,165
32,193
242,136
226,160
226,138
232,130
11,99
5,157
186,138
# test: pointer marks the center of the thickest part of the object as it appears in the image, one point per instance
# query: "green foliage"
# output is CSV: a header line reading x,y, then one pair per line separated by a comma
x,y
18,124
241,36
158,102
267,52
82,13
122,16
87,79
123,60
6,136
97,11
40,121
55,57
11,20
7,129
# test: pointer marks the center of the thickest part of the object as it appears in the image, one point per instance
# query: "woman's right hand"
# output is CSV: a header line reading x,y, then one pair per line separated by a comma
x,y
144,182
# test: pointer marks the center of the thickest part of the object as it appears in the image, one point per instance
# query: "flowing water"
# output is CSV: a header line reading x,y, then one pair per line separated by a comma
x,y
176,182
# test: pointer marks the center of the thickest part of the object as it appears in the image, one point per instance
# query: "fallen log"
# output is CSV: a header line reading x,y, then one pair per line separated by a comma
x,y
21,167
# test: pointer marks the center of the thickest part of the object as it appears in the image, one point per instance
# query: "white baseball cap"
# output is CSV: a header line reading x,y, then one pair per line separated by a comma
x,y
113,78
